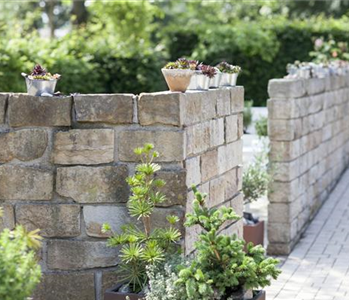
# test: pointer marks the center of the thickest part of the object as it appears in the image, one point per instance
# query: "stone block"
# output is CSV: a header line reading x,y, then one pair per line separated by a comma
x,y
279,249
209,165
3,101
175,188
316,103
237,94
279,232
93,184
104,108
163,108
96,216
159,217
170,144
286,88
198,138
231,183
283,109
231,128
216,132
229,156
223,103
284,130
88,147
283,192
315,86
25,183
192,165
77,255
285,151
217,191
286,171
7,220
109,279
53,220
26,110
64,286
24,145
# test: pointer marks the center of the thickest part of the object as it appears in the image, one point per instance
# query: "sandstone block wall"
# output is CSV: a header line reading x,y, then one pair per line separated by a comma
x,y
64,161
309,139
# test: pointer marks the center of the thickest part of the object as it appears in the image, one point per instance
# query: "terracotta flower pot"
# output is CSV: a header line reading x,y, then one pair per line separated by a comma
x,y
177,80
114,294
254,233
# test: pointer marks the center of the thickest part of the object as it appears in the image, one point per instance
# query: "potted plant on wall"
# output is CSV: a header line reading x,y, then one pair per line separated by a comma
x,y
202,77
40,82
142,245
255,183
229,73
220,268
178,74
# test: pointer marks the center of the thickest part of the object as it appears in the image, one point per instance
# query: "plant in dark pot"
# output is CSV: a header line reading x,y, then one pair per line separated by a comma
x,y
220,269
256,180
229,73
141,244
178,74
40,82
201,78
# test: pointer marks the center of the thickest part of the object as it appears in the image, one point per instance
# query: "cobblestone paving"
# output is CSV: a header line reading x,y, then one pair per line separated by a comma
x,y
318,267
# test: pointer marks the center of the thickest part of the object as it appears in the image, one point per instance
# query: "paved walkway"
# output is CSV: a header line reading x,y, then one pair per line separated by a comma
x,y
318,267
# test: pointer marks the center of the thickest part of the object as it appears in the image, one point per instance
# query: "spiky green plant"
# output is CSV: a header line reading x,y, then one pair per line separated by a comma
x,y
144,245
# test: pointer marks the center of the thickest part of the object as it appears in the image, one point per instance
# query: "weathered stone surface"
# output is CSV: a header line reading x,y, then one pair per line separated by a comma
x,y
26,110
231,128
109,280
25,144
192,165
283,109
217,191
209,165
170,144
229,156
159,219
216,132
286,88
175,188
160,108
198,138
25,183
93,184
88,147
223,103
237,99
53,220
315,85
104,108
7,220
64,286
75,255
96,216
3,100
284,130
231,183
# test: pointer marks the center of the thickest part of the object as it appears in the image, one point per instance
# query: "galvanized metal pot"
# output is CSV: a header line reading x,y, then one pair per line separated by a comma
x,y
199,81
229,79
37,87
215,81
177,80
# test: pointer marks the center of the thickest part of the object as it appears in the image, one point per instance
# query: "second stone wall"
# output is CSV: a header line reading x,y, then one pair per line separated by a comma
x,y
64,161
309,142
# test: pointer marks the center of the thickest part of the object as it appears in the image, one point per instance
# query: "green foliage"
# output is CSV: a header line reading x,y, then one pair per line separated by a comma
x,y
19,270
221,267
247,114
329,50
147,245
262,127
256,178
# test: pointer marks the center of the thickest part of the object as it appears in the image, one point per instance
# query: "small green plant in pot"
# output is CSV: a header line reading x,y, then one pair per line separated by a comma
x,y
220,269
229,73
179,73
142,245
19,269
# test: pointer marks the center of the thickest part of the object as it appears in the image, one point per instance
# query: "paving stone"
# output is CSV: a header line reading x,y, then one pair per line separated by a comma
x,y
53,220
170,144
25,183
87,147
104,108
26,110
64,286
93,184
24,145
78,255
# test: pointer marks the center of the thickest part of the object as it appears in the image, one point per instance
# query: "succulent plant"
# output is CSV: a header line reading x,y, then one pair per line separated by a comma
x,y
182,64
225,67
209,71
40,73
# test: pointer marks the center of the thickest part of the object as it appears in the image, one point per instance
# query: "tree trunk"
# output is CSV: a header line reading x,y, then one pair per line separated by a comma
x,y
50,15
79,11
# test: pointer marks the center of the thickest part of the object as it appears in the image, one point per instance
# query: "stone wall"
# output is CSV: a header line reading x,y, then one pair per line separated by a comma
x,y
63,164
309,136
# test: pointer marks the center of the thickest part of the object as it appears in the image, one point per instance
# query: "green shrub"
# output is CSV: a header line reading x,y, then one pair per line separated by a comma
x,y
247,114
19,270
262,127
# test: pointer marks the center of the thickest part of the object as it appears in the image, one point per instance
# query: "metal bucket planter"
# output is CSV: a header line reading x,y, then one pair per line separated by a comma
x,y
199,81
177,80
229,79
215,81
37,87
